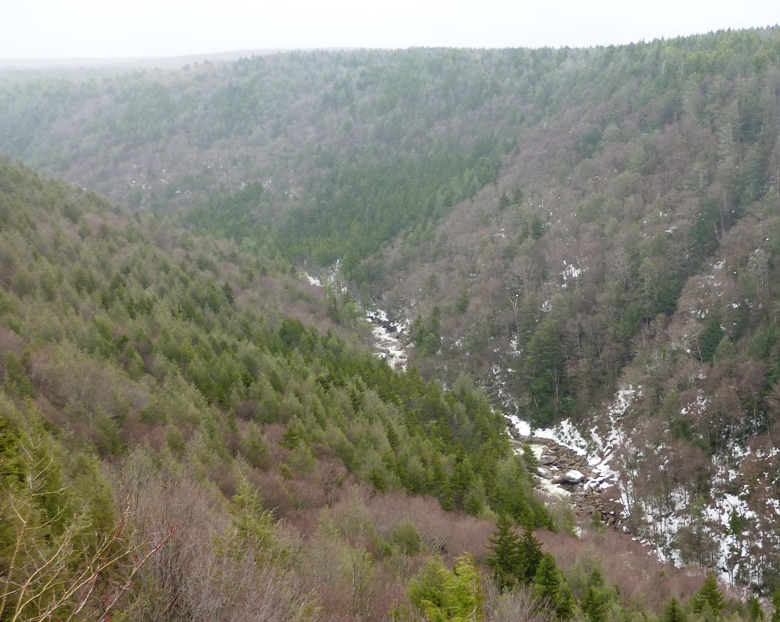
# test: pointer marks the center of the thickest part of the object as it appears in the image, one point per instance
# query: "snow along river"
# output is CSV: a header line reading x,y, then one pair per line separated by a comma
x,y
389,343
567,471
570,468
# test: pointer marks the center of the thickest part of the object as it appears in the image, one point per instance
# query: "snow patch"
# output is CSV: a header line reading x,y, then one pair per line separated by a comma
x,y
523,427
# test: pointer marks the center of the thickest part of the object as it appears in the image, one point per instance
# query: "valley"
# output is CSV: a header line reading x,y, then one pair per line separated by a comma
x,y
380,328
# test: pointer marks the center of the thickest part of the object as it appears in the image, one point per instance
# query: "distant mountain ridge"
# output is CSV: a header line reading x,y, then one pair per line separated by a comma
x,y
139,62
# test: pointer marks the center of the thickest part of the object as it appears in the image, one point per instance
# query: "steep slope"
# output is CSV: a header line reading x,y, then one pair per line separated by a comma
x,y
631,247
91,298
155,428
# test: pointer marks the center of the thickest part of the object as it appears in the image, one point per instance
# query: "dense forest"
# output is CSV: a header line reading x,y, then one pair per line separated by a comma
x,y
587,235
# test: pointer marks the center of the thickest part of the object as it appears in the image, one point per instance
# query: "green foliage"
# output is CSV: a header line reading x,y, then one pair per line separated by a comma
x,y
547,579
406,537
710,338
56,521
255,448
443,594
426,333
673,612
514,560
597,600
531,556
529,458
505,558
462,304
709,597
367,150
16,380
725,350
138,332
404,193
537,227
763,341
776,604
551,588
544,374
513,493
255,527
187,363
755,611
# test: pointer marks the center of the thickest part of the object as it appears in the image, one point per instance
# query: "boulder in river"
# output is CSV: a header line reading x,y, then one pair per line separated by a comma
x,y
545,473
572,477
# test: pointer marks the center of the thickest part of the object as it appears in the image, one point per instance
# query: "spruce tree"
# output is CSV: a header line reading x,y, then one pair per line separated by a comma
x,y
565,608
551,588
776,603
530,556
16,380
505,558
547,580
594,604
673,612
709,596
755,612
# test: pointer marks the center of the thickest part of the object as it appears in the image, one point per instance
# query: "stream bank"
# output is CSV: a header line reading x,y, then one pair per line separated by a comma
x,y
566,474
585,481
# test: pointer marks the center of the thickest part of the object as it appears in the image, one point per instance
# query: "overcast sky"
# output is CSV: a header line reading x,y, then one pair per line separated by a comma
x,y
155,28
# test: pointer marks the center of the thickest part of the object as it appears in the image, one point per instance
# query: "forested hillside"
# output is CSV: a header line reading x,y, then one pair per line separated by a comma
x,y
590,234
175,444
125,340
631,245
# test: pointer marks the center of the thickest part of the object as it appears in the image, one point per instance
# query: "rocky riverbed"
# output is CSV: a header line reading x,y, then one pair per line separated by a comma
x,y
390,340
564,473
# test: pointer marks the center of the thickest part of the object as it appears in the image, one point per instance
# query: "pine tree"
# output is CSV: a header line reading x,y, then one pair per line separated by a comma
x,y
776,603
673,612
529,458
565,608
594,605
551,588
16,380
530,555
448,595
547,580
505,559
709,596
755,612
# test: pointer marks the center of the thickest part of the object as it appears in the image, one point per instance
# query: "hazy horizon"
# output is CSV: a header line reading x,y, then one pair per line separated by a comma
x,y
69,31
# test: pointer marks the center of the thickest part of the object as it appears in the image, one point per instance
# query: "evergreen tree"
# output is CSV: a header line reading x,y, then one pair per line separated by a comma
x,y
547,580
776,603
755,611
16,380
565,608
505,559
673,612
551,588
543,373
530,556
530,459
709,596
448,595
598,596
